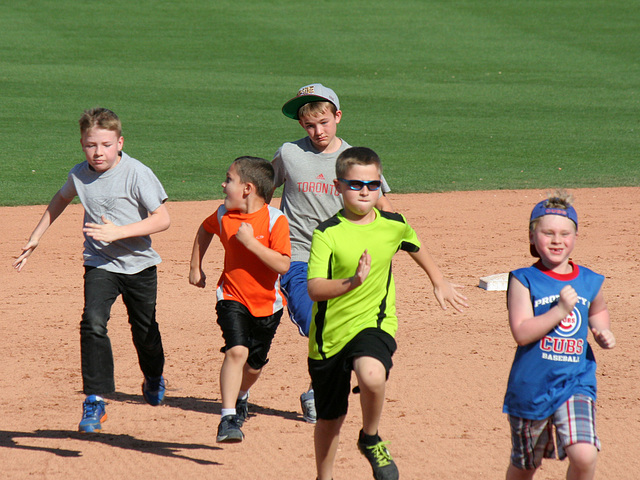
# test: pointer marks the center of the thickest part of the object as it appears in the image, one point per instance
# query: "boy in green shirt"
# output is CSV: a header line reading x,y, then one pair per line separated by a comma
x,y
354,317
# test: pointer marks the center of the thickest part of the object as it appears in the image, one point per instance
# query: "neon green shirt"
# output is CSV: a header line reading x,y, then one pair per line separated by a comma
x,y
336,247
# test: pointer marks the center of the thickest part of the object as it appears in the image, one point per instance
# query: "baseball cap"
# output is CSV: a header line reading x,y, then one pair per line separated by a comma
x,y
541,210
316,92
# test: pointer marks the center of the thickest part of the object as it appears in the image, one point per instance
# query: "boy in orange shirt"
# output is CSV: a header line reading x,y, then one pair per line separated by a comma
x,y
249,305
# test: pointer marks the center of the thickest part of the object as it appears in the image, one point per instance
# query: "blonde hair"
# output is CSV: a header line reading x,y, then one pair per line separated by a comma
x,y
314,109
558,198
100,118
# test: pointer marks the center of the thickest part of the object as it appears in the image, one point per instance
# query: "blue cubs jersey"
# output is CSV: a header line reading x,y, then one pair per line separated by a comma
x,y
546,373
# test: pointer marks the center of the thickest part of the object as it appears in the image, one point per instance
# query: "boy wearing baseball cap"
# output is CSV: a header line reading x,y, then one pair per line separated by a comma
x,y
552,306
306,168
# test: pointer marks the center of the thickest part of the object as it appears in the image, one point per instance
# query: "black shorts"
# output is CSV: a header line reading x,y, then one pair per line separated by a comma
x,y
331,378
239,327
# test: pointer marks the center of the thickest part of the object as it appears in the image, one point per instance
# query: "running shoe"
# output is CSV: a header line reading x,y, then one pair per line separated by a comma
x,y
308,403
93,414
384,468
153,390
229,430
242,409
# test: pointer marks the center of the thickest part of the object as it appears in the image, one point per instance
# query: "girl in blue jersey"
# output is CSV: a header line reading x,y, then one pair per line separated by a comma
x,y
552,306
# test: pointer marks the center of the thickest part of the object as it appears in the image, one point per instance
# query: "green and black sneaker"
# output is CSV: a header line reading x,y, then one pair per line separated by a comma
x,y
384,468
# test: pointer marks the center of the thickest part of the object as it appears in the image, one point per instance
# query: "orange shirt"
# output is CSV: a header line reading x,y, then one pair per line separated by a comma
x,y
245,278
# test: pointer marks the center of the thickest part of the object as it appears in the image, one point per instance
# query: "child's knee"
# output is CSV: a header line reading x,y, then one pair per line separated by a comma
x,y
582,456
239,353
370,372
94,321
329,427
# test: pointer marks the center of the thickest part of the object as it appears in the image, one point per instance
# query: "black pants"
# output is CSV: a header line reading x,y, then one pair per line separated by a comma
x,y
139,292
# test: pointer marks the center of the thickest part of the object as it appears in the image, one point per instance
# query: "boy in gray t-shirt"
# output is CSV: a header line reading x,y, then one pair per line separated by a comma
x,y
124,204
307,169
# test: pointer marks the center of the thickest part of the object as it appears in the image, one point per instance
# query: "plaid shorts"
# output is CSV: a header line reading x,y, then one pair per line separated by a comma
x,y
532,440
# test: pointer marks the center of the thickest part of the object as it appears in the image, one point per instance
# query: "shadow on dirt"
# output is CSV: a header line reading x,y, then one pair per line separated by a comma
x,y
165,449
204,405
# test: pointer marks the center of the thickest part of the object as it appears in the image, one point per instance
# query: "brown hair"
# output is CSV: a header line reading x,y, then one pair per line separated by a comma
x,y
356,156
100,118
257,171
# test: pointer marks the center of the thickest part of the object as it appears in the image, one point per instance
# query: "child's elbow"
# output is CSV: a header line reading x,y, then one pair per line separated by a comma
x,y
165,224
521,340
161,218
284,268
312,291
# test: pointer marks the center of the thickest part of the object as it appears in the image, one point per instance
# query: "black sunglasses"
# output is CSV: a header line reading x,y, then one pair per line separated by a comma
x,y
358,185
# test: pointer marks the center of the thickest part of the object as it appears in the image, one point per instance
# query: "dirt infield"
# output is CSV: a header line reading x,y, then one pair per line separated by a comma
x,y
444,397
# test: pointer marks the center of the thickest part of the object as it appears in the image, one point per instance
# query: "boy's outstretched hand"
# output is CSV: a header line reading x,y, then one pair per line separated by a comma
x,y
446,293
26,251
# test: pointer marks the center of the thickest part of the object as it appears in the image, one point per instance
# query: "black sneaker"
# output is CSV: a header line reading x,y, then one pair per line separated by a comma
x,y
384,468
242,409
153,389
229,430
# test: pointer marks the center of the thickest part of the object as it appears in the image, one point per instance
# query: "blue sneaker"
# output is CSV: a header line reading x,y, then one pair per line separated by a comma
x,y
93,414
153,390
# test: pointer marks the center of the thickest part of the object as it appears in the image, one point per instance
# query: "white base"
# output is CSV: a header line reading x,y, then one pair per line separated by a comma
x,y
496,282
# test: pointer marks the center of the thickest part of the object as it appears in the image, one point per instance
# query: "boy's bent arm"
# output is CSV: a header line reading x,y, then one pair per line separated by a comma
x,y
600,322
157,221
200,246
442,289
321,289
526,327
276,261
56,206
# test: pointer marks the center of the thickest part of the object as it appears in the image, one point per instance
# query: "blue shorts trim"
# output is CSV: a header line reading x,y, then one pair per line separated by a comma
x,y
294,286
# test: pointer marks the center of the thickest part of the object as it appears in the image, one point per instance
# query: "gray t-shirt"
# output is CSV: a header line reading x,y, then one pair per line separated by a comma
x,y
308,196
124,194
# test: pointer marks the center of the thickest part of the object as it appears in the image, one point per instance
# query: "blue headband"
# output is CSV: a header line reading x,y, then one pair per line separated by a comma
x,y
541,209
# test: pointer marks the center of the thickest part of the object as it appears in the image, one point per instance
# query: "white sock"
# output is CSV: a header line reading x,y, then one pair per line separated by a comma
x,y
243,394
227,411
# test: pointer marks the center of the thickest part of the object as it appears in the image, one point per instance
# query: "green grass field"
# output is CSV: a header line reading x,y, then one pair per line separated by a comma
x,y
454,95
